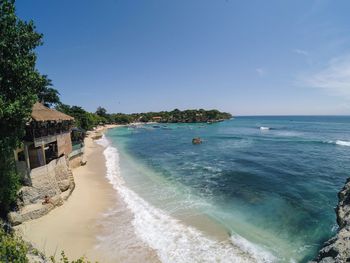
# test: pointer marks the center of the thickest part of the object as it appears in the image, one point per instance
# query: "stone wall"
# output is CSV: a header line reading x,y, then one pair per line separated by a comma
x,y
54,180
64,144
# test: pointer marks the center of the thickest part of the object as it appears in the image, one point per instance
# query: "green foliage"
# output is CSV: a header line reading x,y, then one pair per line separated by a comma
x,y
12,248
186,116
121,118
20,85
48,95
64,259
87,120
83,119
102,112
9,180
19,80
80,115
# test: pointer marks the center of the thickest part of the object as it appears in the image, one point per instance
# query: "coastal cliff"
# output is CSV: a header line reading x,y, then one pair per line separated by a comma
x,y
337,249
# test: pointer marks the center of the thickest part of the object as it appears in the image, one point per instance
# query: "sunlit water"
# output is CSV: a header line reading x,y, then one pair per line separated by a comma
x,y
271,191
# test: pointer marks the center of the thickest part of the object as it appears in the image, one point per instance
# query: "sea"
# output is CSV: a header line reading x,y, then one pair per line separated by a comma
x,y
257,189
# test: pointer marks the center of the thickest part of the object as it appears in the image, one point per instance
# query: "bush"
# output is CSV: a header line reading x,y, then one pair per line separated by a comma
x,y
12,248
9,180
15,250
64,259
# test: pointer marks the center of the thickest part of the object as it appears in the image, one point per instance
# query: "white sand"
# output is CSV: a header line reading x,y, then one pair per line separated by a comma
x,y
72,227
75,226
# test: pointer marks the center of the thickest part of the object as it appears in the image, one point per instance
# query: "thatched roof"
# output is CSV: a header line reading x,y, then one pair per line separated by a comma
x,y
42,113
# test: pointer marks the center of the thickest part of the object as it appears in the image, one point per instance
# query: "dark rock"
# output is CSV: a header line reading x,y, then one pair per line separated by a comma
x,y
337,249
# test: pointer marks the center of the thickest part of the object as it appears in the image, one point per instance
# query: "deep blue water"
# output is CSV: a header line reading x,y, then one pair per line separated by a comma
x,y
277,187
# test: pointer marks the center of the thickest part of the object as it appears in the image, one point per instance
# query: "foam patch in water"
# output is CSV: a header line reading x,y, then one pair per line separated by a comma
x,y
342,143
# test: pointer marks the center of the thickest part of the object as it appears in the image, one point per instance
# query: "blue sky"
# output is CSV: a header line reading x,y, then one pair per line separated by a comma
x,y
241,56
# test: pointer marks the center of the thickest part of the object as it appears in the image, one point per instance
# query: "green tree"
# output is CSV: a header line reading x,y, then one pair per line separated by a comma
x,y
82,118
103,116
20,84
101,112
63,108
48,95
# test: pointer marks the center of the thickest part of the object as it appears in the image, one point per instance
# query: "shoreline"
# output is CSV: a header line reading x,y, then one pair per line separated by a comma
x,y
96,223
179,237
76,226
72,227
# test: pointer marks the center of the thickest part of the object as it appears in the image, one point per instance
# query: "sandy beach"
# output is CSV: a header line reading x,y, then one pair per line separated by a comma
x,y
79,226
95,222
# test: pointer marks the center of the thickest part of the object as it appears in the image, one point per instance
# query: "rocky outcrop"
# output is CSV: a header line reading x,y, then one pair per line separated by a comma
x,y
76,161
337,249
97,135
54,180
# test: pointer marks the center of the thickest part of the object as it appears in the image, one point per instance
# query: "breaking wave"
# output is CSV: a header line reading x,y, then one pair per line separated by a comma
x,y
338,142
172,240
342,143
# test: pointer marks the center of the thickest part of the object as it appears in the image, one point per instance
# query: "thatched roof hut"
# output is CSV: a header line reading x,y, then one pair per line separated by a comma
x,y
48,136
42,113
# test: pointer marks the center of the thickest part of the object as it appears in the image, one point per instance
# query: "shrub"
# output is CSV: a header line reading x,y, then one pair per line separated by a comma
x,y
15,250
64,259
12,248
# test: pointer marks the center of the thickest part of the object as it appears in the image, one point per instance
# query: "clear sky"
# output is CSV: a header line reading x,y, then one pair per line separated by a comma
x,y
242,56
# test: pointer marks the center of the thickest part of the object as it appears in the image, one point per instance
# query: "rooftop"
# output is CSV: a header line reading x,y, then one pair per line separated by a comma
x,y
42,113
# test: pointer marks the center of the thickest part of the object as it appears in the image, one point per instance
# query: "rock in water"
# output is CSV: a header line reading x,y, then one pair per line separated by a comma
x,y
196,140
337,249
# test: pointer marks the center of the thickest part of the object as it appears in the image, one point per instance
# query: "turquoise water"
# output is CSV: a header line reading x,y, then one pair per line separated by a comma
x,y
274,188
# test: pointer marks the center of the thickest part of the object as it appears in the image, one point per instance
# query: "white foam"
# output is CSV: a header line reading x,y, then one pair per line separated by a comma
x,y
264,128
103,141
252,249
289,133
342,143
172,240
339,142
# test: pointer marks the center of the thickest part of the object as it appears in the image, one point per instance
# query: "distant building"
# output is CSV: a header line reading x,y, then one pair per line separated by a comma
x,y
48,137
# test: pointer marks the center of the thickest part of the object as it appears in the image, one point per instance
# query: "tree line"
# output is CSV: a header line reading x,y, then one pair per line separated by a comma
x,y
87,120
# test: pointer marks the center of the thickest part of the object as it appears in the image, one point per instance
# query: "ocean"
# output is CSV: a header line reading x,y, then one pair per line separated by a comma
x,y
258,189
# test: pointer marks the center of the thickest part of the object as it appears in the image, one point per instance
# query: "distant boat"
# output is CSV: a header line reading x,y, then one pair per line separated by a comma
x,y
264,128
